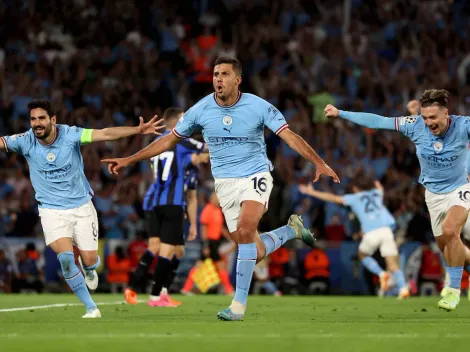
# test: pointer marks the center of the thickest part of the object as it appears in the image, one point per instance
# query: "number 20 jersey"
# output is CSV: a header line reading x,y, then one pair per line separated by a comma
x,y
169,170
370,210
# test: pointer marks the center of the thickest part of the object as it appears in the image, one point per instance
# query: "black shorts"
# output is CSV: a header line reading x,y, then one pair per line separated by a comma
x,y
214,246
167,223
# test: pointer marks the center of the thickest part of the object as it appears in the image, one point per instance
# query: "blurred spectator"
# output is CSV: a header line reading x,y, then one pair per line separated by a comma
x,y
28,277
5,273
118,266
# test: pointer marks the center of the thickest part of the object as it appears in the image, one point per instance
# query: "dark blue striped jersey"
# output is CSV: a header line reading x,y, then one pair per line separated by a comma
x,y
170,172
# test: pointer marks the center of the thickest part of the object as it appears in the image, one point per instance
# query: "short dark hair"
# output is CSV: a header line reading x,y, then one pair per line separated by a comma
x,y
172,113
434,96
363,181
236,65
42,104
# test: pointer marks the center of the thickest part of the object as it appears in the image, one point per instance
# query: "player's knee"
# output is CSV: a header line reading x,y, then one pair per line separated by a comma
x,y
179,252
154,245
67,264
450,231
245,233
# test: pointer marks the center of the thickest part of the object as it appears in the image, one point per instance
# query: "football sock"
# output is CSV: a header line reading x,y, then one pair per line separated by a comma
x,y
175,262
245,266
75,279
455,274
161,275
372,265
276,238
399,279
142,269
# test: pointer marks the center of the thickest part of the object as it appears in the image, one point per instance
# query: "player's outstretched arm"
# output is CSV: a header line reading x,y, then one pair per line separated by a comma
x,y
300,146
161,145
362,118
191,198
327,197
153,126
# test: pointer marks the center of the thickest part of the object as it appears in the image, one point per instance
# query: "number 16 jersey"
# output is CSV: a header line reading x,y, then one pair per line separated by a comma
x,y
370,210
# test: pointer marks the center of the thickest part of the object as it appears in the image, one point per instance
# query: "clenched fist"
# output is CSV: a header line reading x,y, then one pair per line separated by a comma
x,y
413,107
331,111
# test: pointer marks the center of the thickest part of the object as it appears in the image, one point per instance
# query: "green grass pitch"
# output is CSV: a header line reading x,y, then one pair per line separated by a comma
x,y
272,324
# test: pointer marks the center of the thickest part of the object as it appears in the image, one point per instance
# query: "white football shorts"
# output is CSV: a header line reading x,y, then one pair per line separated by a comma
x,y
382,239
80,224
439,205
232,192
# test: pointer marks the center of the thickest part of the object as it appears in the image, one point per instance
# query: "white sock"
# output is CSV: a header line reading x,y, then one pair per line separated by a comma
x,y
154,298
237,307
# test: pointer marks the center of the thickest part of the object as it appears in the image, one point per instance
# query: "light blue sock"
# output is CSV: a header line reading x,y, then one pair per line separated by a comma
x,y
75,279
276,238
270,287
455,274
399,279
94,266
372,265
245,266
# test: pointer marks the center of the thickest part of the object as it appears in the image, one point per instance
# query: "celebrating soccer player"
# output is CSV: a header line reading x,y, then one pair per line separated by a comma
x,y
232,124
63,192
376,224
441,146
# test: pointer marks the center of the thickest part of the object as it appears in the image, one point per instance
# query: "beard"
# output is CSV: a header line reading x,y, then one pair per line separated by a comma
x,y
40,133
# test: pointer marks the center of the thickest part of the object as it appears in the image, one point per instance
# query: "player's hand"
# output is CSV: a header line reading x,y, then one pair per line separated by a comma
x,y
115,164
323,168
306,189
192,233
152,127
413,107
331,111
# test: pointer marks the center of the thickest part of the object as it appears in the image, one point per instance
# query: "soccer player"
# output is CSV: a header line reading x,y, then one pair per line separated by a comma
x,y
232,125
63,192
376,224
164,205
441,146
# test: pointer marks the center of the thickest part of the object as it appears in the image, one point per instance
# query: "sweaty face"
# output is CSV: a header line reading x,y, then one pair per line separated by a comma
x,y
41,123
225,81
436,119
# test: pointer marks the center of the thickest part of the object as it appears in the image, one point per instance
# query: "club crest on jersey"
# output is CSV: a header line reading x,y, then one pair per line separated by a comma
x,y
438,146
50,157
227,120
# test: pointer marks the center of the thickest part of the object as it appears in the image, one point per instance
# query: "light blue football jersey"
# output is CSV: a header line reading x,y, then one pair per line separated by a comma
x,y
370,210
443,159
234,134
56,170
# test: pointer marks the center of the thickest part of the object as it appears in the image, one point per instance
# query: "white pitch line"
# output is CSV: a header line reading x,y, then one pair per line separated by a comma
x,y
235,336
58,305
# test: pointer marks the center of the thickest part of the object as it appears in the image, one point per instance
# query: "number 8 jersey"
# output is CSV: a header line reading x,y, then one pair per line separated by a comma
x,y
169,170
370,210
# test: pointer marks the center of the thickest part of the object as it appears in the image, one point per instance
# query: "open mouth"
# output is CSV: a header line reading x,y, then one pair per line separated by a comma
x,y
434,128
39,129
219,89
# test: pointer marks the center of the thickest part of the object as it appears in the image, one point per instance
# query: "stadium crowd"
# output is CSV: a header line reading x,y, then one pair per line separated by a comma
x,y
361,55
